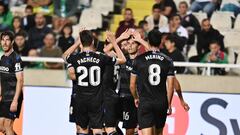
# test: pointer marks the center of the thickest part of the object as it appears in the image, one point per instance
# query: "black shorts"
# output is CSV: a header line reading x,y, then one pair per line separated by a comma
x,y
5,110
152,114
88,112
129,112
110,106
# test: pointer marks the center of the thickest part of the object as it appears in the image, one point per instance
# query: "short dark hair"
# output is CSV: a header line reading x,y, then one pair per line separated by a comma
x,y
21,33
128,9
142,23
86,38
29,7
174,15
205,19
156,6
171,38
183,2
9,34
154,38
69,25
53,34
214,42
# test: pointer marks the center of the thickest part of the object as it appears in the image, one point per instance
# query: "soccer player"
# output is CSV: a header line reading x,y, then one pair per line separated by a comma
x,y
152,70
11,94
89,67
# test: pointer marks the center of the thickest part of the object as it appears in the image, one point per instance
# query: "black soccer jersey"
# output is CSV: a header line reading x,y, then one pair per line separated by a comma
x,y
152,69
9,66
125,72
89,68
110,79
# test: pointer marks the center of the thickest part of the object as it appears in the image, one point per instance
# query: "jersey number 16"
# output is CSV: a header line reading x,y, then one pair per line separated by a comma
x,y
94,75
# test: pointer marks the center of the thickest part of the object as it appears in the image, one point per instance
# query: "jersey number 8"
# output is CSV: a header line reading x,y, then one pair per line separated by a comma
x,y
154,71
93,72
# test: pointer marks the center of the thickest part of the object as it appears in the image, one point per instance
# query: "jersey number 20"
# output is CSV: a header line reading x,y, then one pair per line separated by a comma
x,y
93,72
154,71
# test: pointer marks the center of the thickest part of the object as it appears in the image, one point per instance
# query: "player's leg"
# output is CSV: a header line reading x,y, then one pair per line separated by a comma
x,y
160,110
159,131
2,130
8,126
147,131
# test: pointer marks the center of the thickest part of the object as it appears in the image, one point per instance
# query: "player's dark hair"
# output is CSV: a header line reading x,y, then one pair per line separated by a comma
x,y
128,9
154,38
9,34
184,3
86,38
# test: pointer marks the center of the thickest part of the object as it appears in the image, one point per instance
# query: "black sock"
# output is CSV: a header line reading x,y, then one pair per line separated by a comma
x,y
119,131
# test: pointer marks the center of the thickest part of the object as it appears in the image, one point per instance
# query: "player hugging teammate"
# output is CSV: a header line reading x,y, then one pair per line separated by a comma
x,y
120,85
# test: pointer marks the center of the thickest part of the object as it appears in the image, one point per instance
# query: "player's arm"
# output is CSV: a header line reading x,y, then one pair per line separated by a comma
x,y
0,90
120,56
133,89
72,49
19,87
138,38
123,36
71,72
178,89
170,85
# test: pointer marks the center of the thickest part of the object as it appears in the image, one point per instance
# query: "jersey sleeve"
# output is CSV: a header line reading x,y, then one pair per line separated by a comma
x,y
171,71
70,59
18,65
134,67
109,60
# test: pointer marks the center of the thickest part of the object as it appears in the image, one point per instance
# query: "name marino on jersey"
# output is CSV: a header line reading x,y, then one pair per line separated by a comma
x,y
151,57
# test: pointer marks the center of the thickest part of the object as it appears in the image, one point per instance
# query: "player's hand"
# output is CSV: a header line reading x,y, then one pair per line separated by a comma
x,y
185,106
13,107
110,36
136,36
136,101
0,98
126,34
169,112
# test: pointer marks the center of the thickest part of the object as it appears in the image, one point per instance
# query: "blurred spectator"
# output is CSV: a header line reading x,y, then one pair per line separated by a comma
x,y
190,22
66,40
142,34
128,22
177,29
28,19
156,20
168,7
231,6
173,52
207,6
20,44
36,65
13,3
42,6
66,10
97,43
17,26
57,25
207,35
6,17
215,56
144,25
51,50
37,33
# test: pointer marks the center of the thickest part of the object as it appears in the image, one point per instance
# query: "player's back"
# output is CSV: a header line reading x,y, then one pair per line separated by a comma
x,y
152,69
89,68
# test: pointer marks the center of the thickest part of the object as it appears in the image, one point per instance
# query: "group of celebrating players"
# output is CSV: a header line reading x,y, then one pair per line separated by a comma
x,y
120,84
117,84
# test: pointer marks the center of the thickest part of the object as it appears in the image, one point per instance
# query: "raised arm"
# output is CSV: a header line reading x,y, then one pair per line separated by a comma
x,y
120,56
137,38
71,49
